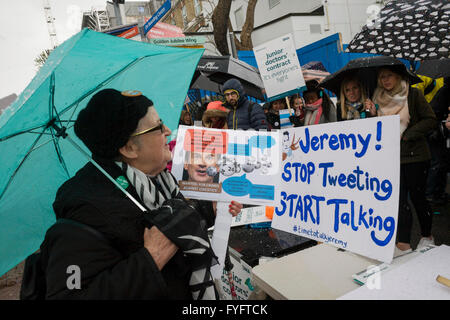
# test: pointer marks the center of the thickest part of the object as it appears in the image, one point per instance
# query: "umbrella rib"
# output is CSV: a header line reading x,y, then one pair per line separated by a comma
x,y
54,113
21,132
105,82
58,152
20,165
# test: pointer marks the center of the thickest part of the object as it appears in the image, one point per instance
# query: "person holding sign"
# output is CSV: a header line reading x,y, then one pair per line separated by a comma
x,y
273,115
244,114
319,108
353,103
298,104
150,249
395,96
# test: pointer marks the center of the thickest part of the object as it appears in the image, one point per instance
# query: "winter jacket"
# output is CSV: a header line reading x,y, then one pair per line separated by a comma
x,y
117,267
329,110
239,116
429,86
414,146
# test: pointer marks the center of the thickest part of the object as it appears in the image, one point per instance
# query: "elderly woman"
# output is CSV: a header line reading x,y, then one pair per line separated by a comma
x,y
353,103
395,96
123,252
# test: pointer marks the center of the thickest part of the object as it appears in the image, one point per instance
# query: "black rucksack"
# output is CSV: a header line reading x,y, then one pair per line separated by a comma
x,y
33,282
34,285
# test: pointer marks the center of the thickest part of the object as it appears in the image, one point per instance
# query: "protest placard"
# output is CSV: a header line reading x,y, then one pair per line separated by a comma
x,y
279,67
226,165
340,184
284,118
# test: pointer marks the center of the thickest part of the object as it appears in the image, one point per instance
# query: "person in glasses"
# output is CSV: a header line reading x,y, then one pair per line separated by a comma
x,y
244,114
112,249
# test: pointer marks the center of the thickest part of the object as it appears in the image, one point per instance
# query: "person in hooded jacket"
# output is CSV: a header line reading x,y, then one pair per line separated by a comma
x,y
215,115
120,251
243,114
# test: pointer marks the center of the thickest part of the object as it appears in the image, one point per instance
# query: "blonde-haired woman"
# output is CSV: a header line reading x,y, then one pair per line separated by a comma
x,y
353,103
395,96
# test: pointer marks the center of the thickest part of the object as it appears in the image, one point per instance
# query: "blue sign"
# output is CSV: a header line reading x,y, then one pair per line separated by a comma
x,y
241,186
157,16
261,142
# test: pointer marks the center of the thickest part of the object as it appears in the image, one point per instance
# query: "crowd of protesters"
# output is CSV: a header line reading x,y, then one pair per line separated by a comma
x,y
423,114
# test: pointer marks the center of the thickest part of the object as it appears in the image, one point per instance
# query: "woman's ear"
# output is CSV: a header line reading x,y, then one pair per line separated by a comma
x,y
129,150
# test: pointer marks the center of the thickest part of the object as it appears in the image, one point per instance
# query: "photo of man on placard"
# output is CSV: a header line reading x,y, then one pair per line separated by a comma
x,y
201,172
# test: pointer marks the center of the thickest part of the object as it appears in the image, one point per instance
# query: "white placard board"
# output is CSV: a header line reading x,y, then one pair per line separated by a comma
x,y
226,165
413,280
250,215
340,184
279,66
284,118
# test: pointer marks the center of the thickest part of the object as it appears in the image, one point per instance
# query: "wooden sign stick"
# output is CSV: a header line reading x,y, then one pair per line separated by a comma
x,y
289,106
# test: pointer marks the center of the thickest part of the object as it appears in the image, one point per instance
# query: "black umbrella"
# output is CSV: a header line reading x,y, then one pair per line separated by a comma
x,y
365,69
201,81
219,69
414,30
435,68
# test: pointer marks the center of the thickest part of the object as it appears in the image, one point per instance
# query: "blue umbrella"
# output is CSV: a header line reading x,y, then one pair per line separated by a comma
x,y
38,147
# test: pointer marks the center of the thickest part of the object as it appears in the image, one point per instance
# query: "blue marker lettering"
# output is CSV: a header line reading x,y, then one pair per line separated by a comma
x,y
305,147
283,204
286,175
336,203
325,166
389,225
365,144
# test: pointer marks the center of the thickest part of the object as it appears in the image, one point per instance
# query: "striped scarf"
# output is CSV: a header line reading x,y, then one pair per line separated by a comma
x,y
146,186
313,112
354,110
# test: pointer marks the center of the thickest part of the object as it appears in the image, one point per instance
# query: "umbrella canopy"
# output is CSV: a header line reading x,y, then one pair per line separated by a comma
x,y
365,69
219,69
36,156
411,29
435,68
315,65
314,70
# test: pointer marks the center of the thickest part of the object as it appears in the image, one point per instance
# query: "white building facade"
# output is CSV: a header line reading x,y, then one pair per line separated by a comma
x,y
307,20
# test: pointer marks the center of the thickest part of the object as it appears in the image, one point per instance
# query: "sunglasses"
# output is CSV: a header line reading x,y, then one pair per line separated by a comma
x,y
160,127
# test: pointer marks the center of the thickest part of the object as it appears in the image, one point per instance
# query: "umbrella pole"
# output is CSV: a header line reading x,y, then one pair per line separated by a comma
x,y
102,171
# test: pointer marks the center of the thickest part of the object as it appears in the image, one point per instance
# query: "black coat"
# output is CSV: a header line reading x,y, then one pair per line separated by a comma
x,y
118,267
246,115
414,146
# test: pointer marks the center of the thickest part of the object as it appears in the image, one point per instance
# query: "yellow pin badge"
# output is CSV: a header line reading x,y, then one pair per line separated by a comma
x,y
131,93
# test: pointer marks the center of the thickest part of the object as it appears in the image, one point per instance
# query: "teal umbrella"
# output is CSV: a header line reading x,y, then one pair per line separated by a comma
x,y
38,147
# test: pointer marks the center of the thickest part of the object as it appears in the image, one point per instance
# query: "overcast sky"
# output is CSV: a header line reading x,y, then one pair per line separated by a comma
x,y
24,34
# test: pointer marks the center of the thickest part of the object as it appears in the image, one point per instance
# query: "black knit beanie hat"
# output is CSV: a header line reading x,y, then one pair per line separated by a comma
x,y
109,119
